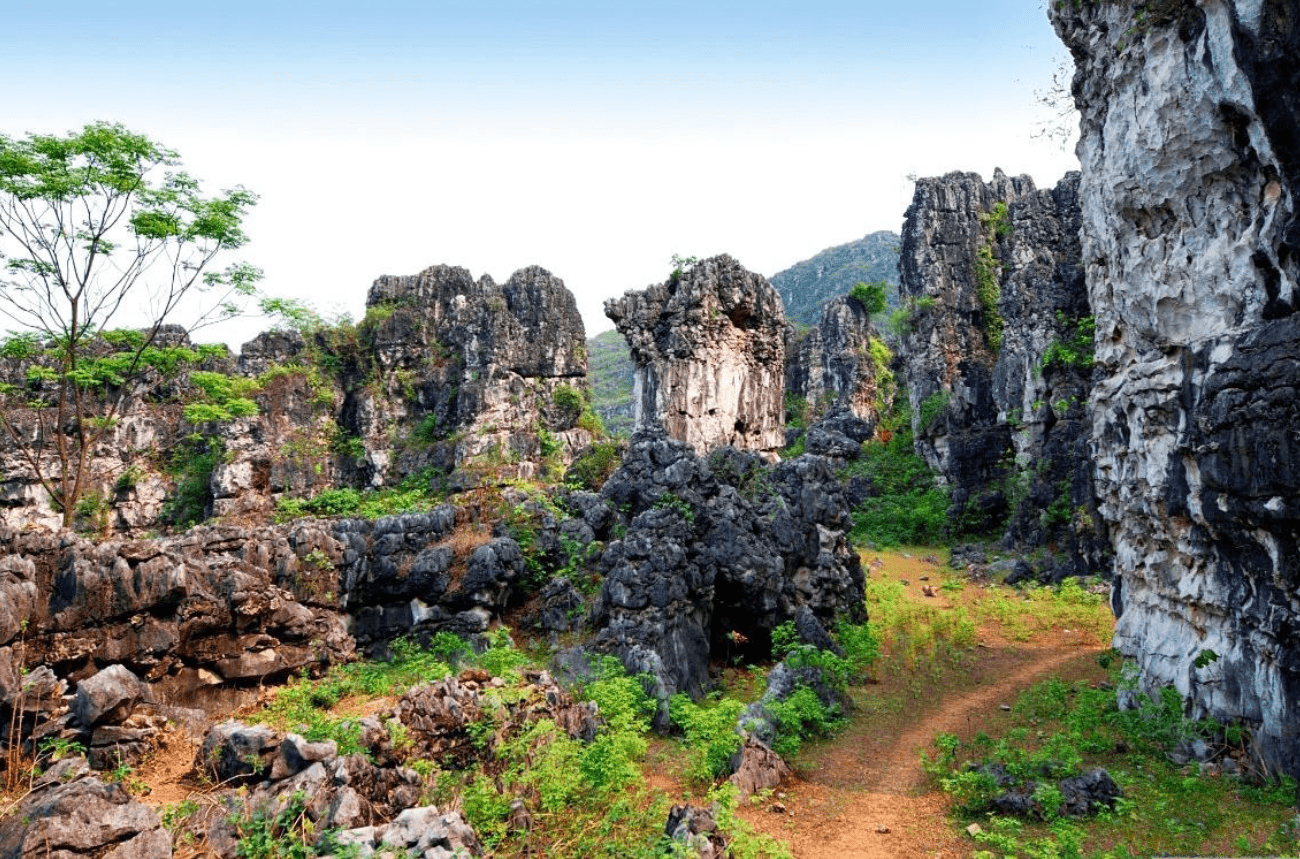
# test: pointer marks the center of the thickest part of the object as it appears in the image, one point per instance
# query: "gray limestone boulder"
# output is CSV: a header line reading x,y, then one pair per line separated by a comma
x,y
107,696
72,813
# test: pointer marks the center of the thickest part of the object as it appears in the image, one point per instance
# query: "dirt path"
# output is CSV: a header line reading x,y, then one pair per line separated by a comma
x,y
866,795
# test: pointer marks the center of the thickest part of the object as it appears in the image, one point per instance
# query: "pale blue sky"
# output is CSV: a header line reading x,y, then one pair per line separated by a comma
x,y
595,139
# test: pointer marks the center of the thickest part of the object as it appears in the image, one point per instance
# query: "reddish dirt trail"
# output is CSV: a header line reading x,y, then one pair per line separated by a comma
x,y
866,794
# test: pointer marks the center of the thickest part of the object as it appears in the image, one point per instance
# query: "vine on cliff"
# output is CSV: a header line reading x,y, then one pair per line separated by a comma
x,y
987,271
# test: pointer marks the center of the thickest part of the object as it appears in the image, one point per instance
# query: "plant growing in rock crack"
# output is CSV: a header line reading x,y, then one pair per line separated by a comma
x,y
988,272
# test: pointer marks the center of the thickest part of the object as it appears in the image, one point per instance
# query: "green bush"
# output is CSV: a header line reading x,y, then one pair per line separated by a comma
x,y
907,506
191,465
932,407
872,296
591,468
802,716
710,734
1075,348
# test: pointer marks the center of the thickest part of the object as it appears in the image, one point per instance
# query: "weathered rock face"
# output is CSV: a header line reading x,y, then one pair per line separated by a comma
x,y
70,812
217,604
224,607
1191,161
718,552
444,376
836,363
709,348
470,371
990,272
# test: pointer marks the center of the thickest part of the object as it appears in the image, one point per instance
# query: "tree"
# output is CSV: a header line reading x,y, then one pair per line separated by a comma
x,y
101,229
872,296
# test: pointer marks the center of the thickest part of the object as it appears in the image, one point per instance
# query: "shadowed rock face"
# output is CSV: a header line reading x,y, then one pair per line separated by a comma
x,y
1191,160
1006,430
832,364
717,552
709,348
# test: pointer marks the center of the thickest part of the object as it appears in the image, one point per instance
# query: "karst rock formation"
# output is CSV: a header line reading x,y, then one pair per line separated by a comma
x,y
1190,154
993,289
709,349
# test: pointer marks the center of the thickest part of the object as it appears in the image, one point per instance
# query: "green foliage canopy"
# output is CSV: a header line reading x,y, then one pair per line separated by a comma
x,y
95,225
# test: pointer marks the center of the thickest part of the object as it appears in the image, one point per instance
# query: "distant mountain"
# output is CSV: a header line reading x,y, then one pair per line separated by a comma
x,y
609,372
806,286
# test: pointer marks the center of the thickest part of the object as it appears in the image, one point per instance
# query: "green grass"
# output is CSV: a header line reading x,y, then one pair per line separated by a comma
x,y
1025,612
1060,729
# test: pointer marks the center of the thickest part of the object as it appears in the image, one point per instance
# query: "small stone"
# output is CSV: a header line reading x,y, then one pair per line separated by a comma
x,y
777,808
1006,708
883,830
925,578
973,830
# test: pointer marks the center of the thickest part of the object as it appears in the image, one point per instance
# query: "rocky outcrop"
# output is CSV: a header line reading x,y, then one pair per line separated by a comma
x,y
842,361
370,798
717,552
471,372
1190,149
197,616
216,604
709,349
448,379
998,357
70,812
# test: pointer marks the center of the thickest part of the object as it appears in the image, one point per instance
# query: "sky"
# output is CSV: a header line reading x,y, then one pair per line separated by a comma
x,y
595,139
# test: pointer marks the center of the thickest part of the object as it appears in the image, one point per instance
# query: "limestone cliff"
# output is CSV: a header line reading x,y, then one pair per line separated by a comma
x,y
1190,150
473,373
709,349
445,378
837,363
997,348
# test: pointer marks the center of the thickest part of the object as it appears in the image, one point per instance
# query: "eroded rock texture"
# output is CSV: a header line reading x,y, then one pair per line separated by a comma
x,y
445,376
471,371
991,274
223,607
717,552
1191,159
833,364
709,349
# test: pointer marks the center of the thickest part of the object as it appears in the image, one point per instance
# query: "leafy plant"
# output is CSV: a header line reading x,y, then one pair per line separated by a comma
x,y
872,296
191,466
1075,347
906,505
710,734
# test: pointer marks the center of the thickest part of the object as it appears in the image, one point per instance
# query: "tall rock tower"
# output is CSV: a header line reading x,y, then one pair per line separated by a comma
x,y
709,348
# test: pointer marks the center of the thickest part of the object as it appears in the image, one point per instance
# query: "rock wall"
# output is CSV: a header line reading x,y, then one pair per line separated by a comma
x,y
223,607
833,363
472,372
716,552
709,349
991,280
447,378
1190,149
